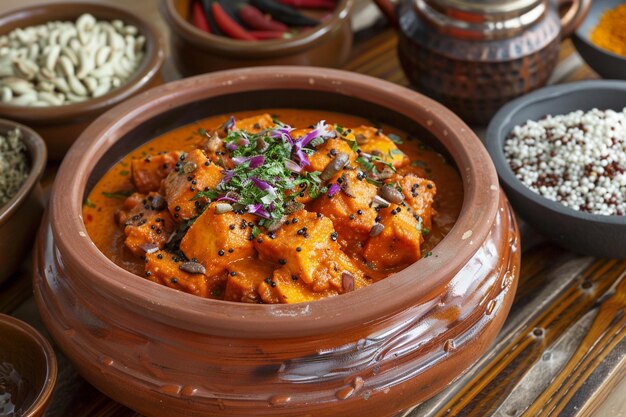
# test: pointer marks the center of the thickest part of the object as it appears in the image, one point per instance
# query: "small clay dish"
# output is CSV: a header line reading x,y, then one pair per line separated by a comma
x,y
28,369
59,126
197,52
585,233
20,216
371,352
607,64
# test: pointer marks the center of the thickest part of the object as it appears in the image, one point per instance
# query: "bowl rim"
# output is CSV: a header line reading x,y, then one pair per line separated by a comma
x,y
83,260
43,396
495,138
151,65
583,37
37,153
257,49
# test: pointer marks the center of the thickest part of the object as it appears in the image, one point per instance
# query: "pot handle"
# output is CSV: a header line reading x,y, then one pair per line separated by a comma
x,y
389,10
574,15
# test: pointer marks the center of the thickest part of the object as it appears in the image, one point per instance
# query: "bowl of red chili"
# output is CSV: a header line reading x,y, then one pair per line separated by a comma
x,y
209,36
373,351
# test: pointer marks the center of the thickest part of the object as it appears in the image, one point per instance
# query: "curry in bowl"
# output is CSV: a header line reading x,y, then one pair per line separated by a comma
x,y
278,206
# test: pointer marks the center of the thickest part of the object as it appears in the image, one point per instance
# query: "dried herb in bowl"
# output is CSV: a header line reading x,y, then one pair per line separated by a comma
x,y
13,164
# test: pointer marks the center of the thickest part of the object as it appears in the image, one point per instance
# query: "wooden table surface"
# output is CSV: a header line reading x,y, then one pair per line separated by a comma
x,y
562,351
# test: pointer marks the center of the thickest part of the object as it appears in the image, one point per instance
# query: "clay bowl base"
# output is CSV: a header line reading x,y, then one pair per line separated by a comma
x,y
423,356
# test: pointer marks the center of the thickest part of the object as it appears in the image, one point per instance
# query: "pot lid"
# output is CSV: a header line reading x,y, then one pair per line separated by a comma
x,y
488,7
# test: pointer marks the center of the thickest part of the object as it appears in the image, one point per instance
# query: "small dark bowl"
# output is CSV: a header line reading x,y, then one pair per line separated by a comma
x,y
20,216
589,234
28,369
196,52
605,63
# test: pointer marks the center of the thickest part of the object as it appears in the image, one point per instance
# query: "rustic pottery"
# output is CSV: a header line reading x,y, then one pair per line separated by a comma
x,y
580,232
61,125
28,369
196,52
21,215
474,56
372,352
606,63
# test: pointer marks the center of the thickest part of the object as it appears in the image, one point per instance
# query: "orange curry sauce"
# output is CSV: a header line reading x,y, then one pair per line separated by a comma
x,y
110,193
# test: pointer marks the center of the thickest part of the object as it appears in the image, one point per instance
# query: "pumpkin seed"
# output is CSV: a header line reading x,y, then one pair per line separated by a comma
x,y
377,229
390,194
192,268
340,160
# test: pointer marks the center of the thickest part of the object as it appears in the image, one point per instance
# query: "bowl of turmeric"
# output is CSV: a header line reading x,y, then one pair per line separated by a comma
x,y
276,241
601,39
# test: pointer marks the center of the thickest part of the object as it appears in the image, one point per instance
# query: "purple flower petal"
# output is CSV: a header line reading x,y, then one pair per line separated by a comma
x,y
333,189
292,166
258,210
231,146
229,174
255,161
263,185
232,200
283,132
320,131
302,157
230,124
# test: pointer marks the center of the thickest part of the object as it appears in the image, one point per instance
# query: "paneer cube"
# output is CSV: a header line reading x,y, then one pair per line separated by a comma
x,y
217,240
351,215
420,195
399,242
374,142
327,151
181,187
164,268
286,288
148,172
147,225
244,278
307,246
255,124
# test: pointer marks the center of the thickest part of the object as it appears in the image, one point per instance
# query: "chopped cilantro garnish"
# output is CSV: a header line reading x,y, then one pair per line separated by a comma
x,y
120,195
268,172
366,164
89,203
395,139
124,172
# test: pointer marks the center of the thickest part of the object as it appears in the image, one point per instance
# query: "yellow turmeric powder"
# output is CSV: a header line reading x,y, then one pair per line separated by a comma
x,y
610,34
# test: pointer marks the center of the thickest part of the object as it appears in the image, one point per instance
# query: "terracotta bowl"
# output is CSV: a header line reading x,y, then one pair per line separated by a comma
x,y
28,369
61,125
372,352
196,52
20,216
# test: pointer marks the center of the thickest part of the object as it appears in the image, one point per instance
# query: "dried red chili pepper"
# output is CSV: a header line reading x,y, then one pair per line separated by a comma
x,y
310,4
256,20
199,18
228,25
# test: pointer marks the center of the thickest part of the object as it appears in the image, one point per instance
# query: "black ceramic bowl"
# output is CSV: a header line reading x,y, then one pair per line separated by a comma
x,y
589,234
605,63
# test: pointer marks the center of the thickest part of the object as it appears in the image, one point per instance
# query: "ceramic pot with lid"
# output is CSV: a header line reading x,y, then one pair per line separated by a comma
x,y
474,56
